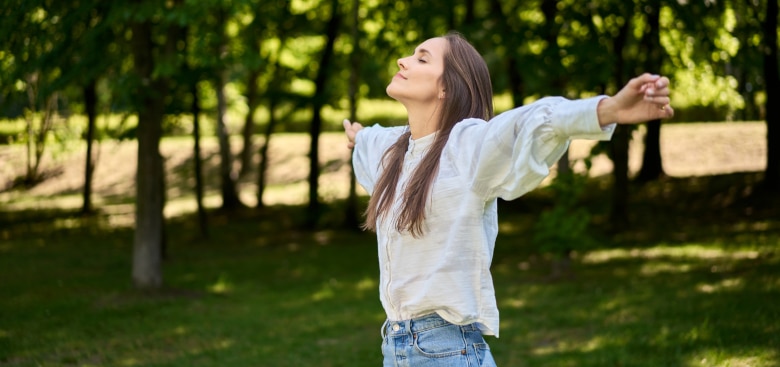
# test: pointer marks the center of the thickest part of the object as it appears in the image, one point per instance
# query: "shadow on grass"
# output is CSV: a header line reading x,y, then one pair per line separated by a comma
x,y
697,287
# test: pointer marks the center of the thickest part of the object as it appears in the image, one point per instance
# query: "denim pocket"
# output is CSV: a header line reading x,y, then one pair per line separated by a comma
x,y
444,341
483,355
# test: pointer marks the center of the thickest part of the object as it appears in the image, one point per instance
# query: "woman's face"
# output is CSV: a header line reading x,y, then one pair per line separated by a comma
x,y
419,77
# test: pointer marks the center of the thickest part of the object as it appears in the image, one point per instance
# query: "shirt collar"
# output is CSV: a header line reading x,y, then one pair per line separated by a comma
x,y
417,147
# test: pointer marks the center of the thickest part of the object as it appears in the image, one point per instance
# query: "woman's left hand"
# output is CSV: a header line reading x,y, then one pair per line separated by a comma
x,y
351,129
644,98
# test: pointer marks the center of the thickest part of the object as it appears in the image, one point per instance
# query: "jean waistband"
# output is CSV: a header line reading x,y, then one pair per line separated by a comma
x,y
417,324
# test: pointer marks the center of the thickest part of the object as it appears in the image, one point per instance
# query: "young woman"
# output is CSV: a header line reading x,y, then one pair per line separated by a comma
x,y
434,185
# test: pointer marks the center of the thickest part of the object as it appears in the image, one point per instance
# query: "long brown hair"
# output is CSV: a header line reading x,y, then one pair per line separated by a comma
x,y
469,93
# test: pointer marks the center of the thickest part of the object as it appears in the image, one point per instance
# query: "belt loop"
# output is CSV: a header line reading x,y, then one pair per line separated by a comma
x,y
383,330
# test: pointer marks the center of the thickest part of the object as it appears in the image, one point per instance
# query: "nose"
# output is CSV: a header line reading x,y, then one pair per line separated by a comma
x,y
401,63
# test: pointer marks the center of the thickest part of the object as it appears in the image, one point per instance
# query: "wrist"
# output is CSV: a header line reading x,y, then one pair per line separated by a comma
x,y
605,111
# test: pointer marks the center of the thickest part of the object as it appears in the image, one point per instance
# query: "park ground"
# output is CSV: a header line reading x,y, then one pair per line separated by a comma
x,y
694,281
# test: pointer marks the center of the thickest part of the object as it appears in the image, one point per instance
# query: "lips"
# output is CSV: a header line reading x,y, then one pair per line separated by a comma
x,y
399,75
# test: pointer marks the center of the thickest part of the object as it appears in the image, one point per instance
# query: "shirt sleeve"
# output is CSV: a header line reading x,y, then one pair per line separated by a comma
x,y
371,142
512,153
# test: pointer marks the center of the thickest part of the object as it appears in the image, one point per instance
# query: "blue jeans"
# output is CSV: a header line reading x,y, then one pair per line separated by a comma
x,y
430,341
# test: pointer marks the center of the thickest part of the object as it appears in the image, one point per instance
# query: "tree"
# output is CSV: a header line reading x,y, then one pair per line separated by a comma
x,y
90,59
90,107
29,38
147,244
772,77
652,166
228,177
275,95
352,218
318,101
192,77
154,65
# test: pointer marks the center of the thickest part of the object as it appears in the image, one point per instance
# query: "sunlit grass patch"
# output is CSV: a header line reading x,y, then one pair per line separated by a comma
x,y
697,252
720,286
765,357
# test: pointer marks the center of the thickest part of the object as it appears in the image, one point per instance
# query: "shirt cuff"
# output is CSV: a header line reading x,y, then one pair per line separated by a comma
x,y
578,119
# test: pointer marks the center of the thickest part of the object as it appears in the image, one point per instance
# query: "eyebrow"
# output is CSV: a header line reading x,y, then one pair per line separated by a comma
x,y
422,50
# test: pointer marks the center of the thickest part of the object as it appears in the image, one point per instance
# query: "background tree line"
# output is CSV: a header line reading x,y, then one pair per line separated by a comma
x,y
167,64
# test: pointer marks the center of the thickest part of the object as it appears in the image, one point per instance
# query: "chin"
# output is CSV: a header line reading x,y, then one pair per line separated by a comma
x,y
389,91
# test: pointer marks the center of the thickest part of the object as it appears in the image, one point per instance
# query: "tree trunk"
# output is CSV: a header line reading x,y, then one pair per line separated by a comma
x,y
652,166
90,106
196,158
263,168
43,132
318,101
249,122
36,139
228,176
230,199
273,91
512,63
193,77
772,173
551,58
147,244
351,215
619,211
620,143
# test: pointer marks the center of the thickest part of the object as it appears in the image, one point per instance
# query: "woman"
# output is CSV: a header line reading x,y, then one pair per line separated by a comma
x,y
434,186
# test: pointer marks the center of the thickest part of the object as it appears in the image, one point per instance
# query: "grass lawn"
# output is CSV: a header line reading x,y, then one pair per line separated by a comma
x,y
695,281
258,292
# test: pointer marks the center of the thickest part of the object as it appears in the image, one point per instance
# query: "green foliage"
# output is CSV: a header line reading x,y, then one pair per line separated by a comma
x,y
564,227
66,44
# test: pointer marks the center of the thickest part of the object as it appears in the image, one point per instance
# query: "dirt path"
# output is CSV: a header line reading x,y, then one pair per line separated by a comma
x,y
686,149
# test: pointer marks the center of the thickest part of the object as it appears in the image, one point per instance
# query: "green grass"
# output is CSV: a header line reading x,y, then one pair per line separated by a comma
x,y
261,292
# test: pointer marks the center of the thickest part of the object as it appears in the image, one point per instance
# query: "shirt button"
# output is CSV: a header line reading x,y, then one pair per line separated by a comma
x,y
396,327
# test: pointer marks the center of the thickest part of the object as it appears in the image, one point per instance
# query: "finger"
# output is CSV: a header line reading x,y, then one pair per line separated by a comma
x,y
662,112
660,101
641,81
651,92
347,125
668,111
662,82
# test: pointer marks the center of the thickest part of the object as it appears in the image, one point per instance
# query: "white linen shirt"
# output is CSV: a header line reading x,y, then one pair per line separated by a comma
x,y
447,269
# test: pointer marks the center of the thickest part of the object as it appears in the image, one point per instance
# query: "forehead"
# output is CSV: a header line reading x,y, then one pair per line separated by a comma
x,y
434,46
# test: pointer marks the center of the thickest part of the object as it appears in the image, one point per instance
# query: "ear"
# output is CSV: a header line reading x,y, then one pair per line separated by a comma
x,y
441,95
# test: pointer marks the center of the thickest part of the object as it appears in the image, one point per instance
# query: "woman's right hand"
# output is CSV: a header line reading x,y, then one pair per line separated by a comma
x,y
644,98
351,128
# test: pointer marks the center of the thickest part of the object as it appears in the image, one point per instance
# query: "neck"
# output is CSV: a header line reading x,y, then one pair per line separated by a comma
x,y
423,118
